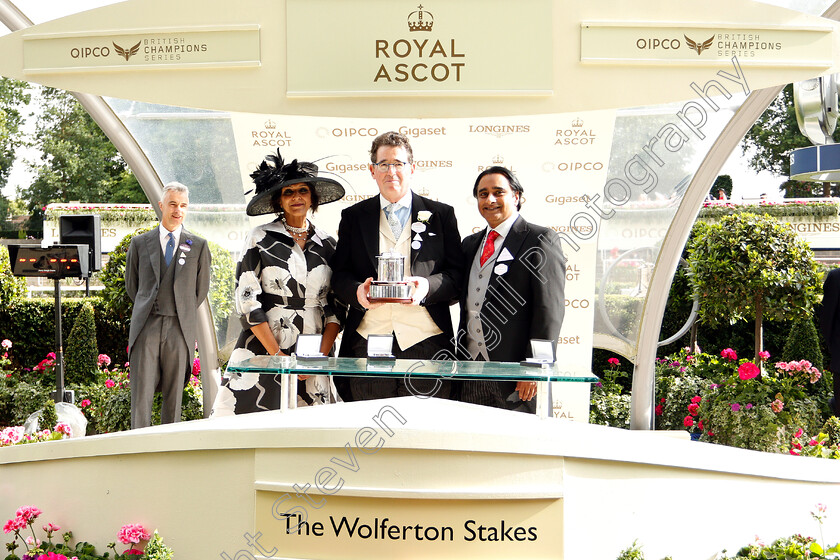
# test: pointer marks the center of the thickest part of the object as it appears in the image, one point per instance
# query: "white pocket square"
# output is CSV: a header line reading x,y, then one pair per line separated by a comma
x,y
504,256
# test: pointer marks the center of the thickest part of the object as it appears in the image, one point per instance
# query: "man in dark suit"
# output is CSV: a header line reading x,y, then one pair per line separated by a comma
x,y
513,291
426,233
167,275
830,326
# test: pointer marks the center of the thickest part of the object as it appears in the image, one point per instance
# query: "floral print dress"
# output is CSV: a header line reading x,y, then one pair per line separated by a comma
x,y
289,288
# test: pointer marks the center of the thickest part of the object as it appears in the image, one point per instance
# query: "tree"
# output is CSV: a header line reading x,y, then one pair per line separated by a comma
x,y
773,137
748,266
80,162
722,182
13,99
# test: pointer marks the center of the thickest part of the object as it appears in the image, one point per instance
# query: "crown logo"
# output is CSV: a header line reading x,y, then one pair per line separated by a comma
x,y
498,160
424,192
270,124
577,123
420,20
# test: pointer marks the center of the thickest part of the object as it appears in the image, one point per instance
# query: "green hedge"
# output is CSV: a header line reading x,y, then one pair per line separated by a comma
x,y
30,325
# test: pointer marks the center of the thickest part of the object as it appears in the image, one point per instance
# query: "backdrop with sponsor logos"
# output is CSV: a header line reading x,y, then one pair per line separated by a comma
x,y
561,161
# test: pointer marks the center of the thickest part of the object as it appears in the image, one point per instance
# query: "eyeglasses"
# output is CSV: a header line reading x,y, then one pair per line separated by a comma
x,y
384,167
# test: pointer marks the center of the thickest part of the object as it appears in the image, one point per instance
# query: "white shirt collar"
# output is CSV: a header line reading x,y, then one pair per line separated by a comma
x,y
163,233
504,228
405,201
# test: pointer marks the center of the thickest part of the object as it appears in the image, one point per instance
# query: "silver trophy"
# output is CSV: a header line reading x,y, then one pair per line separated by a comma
x,y
390,286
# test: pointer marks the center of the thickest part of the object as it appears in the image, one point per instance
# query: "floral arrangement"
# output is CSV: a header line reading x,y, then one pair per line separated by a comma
x,y
36,549
608,405
817,209
741,403
14,435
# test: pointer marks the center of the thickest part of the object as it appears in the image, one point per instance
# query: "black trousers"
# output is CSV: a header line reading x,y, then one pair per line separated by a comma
x,y
368,388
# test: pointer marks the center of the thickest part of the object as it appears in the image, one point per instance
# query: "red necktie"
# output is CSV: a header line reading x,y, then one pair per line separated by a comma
x,y
489,247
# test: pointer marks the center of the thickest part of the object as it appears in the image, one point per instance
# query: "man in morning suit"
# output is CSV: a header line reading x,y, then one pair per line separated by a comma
x,y
423,230
830,326
167,275
513,291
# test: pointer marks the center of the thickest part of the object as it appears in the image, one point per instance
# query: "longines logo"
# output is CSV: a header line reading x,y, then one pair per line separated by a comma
x,y
426,59
270,136
699,47
575,135
154,49
427,164
740,44
127,53
499,130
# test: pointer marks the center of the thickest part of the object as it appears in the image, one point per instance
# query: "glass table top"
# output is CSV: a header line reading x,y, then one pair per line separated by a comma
x,y
493,371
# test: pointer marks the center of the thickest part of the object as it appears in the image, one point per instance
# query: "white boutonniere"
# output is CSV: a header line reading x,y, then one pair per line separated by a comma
x,y
418,227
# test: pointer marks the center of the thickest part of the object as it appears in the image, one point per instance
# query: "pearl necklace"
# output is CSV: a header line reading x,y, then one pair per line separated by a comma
x,y
296,231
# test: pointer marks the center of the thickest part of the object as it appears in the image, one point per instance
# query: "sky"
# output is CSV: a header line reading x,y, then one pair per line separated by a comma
x,y
746,182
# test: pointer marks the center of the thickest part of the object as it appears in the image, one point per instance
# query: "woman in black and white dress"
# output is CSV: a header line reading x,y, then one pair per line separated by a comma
x,y
283,285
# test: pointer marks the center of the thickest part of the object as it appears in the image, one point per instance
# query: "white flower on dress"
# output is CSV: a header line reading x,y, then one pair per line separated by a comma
x,y
242,381
318,281
225,403
285,331
275,280
424,216
246,292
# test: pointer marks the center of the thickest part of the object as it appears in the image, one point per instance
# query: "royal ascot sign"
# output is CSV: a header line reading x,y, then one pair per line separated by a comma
x,y
397,51
223,46
689,44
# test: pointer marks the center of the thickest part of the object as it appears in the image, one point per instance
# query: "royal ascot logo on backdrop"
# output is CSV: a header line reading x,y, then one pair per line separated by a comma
x,y
497,160
424,58
575,135
729,44
270,136
499,130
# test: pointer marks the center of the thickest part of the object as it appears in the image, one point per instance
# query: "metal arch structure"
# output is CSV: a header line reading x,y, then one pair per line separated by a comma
x,y
641,414
135,157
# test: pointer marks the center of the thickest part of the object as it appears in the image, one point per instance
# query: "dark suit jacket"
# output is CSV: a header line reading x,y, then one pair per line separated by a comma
x,y
439,259
830,316
142,279
527,301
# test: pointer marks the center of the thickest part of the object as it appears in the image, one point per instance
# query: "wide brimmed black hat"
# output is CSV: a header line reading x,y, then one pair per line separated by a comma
x,y
272,175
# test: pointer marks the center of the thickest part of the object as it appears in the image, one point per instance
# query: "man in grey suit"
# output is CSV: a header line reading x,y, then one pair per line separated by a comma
x,y
167,275
514,290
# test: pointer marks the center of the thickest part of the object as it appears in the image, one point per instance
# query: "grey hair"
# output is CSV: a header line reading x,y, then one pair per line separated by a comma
x,y
176,187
